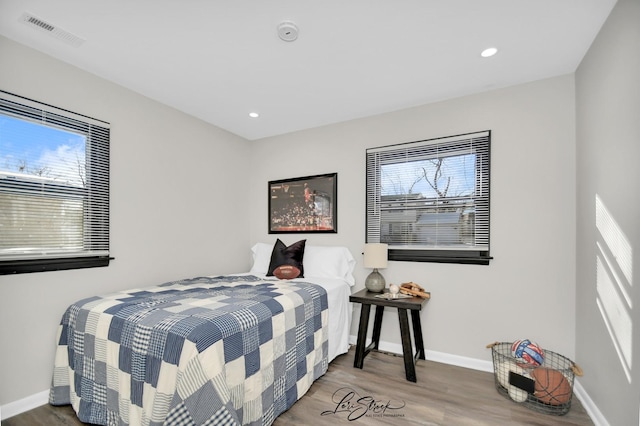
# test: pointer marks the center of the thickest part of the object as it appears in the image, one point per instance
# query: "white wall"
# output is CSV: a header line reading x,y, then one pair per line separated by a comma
x,y
528,290
177,209
608,152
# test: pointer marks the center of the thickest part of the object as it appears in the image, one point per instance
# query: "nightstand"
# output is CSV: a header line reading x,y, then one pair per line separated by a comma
x,y
413,304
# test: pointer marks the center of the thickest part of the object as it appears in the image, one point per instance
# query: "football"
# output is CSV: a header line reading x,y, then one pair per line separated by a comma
x,y
286,272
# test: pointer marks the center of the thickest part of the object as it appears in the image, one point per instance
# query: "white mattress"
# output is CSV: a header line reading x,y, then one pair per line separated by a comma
x,y
340,309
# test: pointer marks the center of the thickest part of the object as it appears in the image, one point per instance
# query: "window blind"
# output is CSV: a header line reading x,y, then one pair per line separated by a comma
x,y
429,200
54,187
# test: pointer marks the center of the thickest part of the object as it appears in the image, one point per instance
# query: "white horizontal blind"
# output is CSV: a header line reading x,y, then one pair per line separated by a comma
x,y
430,195
54,182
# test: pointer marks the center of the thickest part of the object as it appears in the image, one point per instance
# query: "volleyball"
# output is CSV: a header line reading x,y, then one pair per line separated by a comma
x,y
528,352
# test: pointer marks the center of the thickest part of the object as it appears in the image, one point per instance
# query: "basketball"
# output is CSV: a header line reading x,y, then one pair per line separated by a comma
x,y
286,272
528,352
551,387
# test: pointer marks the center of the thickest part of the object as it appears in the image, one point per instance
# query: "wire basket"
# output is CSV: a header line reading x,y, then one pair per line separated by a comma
x,y
546,388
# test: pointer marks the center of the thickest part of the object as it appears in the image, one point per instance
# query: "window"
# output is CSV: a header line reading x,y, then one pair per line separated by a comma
x,y
429,200
54,188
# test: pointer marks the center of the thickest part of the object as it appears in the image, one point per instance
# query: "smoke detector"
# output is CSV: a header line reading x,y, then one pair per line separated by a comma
x,y
288,31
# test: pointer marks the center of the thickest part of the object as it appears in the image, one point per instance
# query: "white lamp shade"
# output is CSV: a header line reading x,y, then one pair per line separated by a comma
x,y
375,255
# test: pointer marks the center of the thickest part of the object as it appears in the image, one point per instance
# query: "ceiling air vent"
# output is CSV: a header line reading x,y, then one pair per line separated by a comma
x,y
52,30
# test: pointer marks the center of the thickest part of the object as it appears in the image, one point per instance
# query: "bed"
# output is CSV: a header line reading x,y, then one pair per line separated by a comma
x,y
235,349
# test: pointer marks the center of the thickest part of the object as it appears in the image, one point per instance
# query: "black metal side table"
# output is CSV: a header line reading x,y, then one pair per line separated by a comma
x,y
413,304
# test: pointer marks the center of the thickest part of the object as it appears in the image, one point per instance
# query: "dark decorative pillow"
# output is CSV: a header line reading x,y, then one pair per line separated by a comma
x,y
283,255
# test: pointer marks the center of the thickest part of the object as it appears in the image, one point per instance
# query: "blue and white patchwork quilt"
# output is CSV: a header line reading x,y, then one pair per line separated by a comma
x,y
209,350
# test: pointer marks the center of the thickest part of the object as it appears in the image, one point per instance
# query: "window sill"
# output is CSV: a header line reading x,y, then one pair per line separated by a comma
x,y
441,256
8,267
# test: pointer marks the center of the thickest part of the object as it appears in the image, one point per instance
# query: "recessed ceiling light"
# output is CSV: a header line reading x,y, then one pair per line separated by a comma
x,y
489,52
254,115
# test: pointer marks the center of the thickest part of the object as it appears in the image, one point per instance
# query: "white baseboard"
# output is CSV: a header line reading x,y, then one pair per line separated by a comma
x,y
588,404
481,365
41,398
25,404
460,361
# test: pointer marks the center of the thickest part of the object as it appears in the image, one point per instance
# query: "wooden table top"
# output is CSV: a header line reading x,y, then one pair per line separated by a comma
x,y
367,297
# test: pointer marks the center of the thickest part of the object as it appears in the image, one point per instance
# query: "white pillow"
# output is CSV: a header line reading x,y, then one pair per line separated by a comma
x,y
261,258
318,261
329,262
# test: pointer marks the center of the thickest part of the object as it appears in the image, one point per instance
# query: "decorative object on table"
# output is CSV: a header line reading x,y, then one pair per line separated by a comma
x,y
393,293
528,352
375,256
414,289
304,205
546,388
394,290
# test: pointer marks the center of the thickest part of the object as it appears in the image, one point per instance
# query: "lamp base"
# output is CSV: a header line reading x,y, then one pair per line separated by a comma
x,y
375,282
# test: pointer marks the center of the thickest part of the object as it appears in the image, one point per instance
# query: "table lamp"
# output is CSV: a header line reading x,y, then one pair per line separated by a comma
x,y
375,256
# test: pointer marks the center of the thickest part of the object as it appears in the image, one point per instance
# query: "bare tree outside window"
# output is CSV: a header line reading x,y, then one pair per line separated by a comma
x,y
48,166
428,195
54,188
428,201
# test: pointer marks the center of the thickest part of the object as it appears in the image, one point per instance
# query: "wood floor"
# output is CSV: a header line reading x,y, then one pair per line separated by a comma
x,y
444,395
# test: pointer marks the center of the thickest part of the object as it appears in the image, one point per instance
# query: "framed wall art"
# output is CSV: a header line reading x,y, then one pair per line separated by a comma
x,y
303,205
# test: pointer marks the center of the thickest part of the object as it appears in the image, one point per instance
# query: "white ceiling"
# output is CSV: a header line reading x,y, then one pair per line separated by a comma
x,y
220,59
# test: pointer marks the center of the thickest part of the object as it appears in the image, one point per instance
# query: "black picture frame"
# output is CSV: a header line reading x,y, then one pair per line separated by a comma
x,y
304,205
